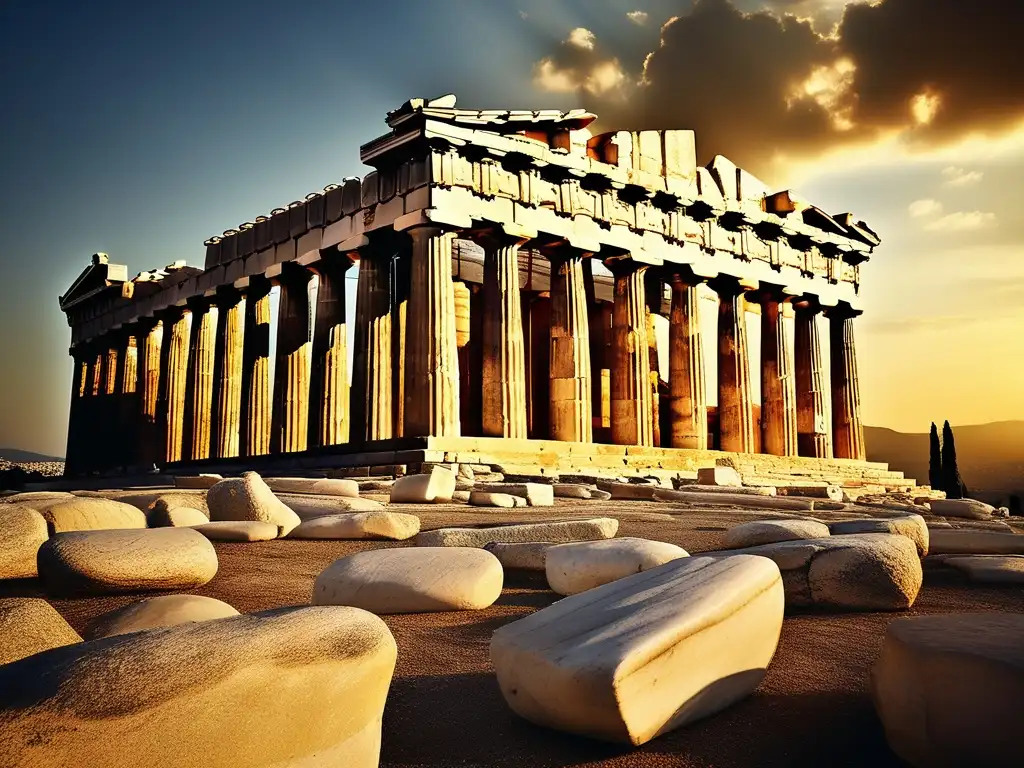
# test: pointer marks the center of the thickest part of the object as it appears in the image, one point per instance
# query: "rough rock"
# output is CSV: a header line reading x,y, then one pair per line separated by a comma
x,y
197,481
990,569
288,687
436,487
947,689
911,526
309,507
239,530
958,541
28,626
968,508
628,491
536,494
527,556
590,529
571,491
155,612
164,504
646,654
489,499
412,580
85,514
600,495
248,498
22,532
359,525
462,497
321,487
579,566
178,517
31,498
97,562
719,476
867,571
759,532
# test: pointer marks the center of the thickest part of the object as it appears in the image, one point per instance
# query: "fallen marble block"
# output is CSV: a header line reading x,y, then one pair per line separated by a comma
x,y
382,524
759,490
646,654
967,508
571,491
412,580
590,529
101,562
239,530
911,526
89,514
628,491
197,481
178,517
959,541
317,487
33,498
29,626
166,503
990,569
759,532
579,566
817,491
155,612
248,498
865,572
287,687
526,556
436,487
309,507
491,499
948,689
536,494
22,532
726,476
734,500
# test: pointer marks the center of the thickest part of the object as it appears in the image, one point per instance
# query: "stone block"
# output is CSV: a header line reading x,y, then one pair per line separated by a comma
x,y
628,491
156,612
526,556
680,154
644,655
239,530
435,487
571,491
967,508
201,481
723,476
571,530
490,499
536,494
177,517
318,487
990,569
412,580
22,532
967,542
360,525
580,566
911,526
29,626
248,498
307,506
88,514
725,498
759,532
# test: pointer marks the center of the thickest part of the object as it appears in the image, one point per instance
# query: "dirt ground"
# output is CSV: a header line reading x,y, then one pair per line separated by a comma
x,y
445,708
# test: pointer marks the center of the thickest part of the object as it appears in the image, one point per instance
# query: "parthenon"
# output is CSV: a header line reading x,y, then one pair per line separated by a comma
x,y
515,274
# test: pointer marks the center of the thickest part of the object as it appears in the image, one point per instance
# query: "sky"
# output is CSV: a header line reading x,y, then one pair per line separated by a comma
x,y
139,130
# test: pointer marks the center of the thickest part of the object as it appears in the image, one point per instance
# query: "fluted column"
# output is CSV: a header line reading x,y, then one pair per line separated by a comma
x,y
290,417
632,415
653,288
254,430
174,350
76,413
329,398
570,393
687,380
504,352
400,267
199,391
371,393
228,366
150,436
847,427
778,385
127,399
735,407
432,368
811,419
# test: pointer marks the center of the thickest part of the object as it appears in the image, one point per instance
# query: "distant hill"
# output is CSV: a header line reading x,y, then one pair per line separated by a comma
x,y
25,457
990,456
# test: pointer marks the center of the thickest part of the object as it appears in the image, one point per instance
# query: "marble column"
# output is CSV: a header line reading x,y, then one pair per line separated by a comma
x,y
105,452
150,436
290,416
735,407
653,293
632,414
811,419
329,397
127,399
400,268
570,393
177,325
687,381
228,367
847,427
597,348
77,429
504,355
371,394
778,386
199,391
254,429
432,368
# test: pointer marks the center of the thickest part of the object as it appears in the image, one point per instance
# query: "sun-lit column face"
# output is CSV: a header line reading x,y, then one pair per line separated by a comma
x,y
569,362
371,398
778,392
735,409
290,418
812,420
177,332
847,426
254,427
632,411
687,401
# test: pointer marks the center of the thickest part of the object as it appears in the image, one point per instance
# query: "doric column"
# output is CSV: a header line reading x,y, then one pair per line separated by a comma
x,y
254,430
150,436
735,409
504,352
687,381
847,428
653,293
811,420
177,325
778,385
127,399
290,416
227,376
329,381
77,429
400,268
570,392
632,414
371,395
432,367
199,391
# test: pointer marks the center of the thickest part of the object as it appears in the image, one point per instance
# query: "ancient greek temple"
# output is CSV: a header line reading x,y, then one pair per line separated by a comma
x,y
526,292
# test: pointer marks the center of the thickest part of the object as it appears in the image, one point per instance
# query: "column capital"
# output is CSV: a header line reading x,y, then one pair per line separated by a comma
x,y
682,274
807,303
493,236
729,286
771,292
288,271
625,266
842,311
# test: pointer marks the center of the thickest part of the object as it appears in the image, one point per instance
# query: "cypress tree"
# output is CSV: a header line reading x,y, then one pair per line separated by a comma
x,y
935,460
952,484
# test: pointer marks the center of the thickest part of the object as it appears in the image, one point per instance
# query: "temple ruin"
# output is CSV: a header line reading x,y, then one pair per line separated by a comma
x,y
516,276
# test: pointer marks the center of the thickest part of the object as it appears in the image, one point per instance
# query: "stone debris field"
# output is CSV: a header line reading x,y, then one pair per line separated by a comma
x,y
466,616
